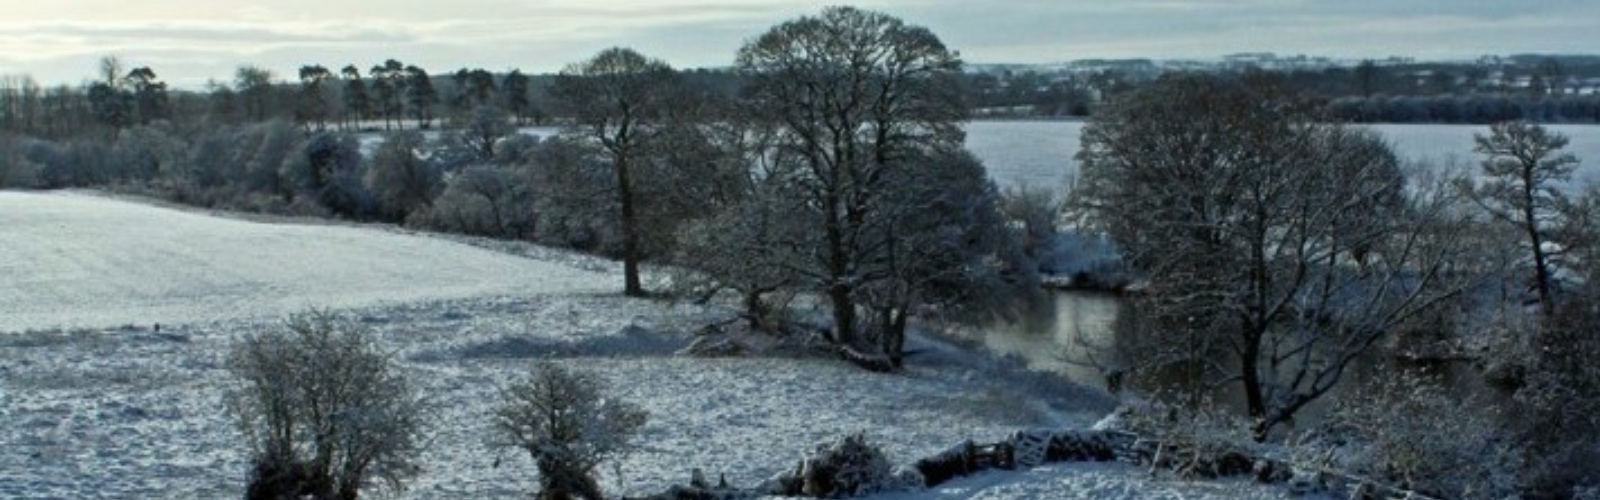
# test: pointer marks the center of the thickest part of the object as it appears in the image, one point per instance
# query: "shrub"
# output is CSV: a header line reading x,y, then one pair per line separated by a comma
x,y
1197,439
568,426
399,177
848,468
485,200
1410,432
324,411
15,169
1557,410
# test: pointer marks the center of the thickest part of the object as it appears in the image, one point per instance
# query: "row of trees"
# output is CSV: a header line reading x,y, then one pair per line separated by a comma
x,y
1467,108
392,93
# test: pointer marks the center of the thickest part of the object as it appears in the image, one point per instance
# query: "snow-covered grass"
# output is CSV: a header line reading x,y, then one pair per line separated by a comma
x,y
127,412
75,260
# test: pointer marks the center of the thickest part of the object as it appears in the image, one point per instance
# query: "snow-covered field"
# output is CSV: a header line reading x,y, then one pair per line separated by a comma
x,y
104,410
71,260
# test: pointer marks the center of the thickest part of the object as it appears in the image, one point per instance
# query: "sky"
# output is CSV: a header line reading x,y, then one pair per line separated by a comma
x,y
188,42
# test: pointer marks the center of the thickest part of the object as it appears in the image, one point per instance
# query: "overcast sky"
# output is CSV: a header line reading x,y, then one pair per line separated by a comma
x,y
189,41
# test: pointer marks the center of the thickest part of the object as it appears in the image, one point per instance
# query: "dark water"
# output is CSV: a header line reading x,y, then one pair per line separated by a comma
x,y
1087,337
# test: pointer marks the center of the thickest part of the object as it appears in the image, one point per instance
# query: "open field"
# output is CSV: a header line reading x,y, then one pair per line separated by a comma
x,y
127,412
83,261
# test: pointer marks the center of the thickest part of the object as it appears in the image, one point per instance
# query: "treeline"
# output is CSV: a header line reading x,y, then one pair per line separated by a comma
x,y
391,95
1469,108
1528,87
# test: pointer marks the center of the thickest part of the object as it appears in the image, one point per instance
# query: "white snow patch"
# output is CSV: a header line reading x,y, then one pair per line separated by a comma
x,y
74,260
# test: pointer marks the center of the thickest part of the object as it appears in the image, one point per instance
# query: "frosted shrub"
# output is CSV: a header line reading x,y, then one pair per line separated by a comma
x,y
324,411
568,426
1410,433
399,177
847,468
1557,410
1194,440
485,200
15,169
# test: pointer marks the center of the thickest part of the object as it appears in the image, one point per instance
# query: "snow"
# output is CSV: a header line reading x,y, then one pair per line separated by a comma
x,y
74,260
370,140
1087,480
109,411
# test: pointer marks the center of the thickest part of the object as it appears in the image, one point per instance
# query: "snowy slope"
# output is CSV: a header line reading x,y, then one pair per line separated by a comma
x,y
72,260
126,412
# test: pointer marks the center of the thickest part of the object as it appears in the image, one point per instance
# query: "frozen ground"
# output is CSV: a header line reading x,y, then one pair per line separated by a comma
x,y
127,412
70,260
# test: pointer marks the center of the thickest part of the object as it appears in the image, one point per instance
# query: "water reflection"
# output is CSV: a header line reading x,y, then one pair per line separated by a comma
x,y
1074,333
1087,336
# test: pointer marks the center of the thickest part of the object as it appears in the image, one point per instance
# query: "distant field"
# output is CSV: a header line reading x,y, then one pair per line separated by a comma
x,y
70,260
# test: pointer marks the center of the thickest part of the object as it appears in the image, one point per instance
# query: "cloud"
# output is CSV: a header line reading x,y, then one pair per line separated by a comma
x,y
198,39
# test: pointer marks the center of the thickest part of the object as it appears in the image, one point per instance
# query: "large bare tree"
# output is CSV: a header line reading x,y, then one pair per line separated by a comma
x,y
618,99
1279,248
854,96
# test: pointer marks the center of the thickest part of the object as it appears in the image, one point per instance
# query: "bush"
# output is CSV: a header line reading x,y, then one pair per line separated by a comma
x,y
324,411
484,200
399,177
568,426
848,468
1197,439
1557,410
1410,432
15,169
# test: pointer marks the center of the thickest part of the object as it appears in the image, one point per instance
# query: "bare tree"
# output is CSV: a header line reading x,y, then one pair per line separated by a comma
x,y
618,99
940,241
854,96
565,422
485,127
1278,248
746,244
1524,172
325,411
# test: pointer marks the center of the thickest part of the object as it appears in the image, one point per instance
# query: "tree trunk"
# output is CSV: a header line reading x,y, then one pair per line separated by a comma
x,y
1541,266
1250,378
756,309
840,290
630,236
895,348
844,313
